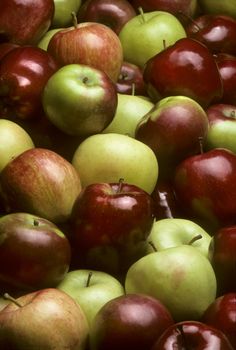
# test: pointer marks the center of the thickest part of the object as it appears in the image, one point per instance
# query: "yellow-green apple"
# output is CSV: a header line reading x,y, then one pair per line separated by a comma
x,y
130,80
110,223
62,14
14,140
80,100
130,110
91,289
89,43
181,277
227,7
173,232
111,157
131,321
41,182
185,68
24,22
146,34
44,319
44,41
27,243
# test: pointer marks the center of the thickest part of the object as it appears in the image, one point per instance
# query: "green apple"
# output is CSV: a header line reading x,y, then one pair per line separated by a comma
x,y
44,41
14,140
130,110
174,232
226,7
91,289
182,278
111,157
147,34
62,13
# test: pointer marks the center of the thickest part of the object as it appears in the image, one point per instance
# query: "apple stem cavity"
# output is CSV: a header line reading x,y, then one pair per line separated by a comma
x,y
89,279
152,245
194,239
140,10
10,298
36,222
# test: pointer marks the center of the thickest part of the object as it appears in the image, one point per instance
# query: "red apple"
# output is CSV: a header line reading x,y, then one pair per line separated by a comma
x,y
26,259
41,182
113,13
25,21
132,321
24,72
227,69
186,68
5,48
109,226
221,314
90,43
130,80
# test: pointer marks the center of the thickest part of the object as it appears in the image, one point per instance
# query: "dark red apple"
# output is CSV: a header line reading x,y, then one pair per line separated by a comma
x,y
25,21
113,13
109,226
221,314
186,68
192,335
24,72
5,48
130,80
131,321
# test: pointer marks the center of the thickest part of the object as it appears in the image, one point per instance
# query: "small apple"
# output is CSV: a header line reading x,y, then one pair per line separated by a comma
x,y
227,7
130,80
62,14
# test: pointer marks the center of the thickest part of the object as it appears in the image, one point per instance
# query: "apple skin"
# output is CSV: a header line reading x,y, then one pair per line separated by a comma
x,y
222,253
113,13
227,69
192,335
80,100
5,48
13,15
44,319
144,35
27,262
41,182
14,141
131,321
171,72
130,80
91,289
62,14
24,72
85,43
111,157
109,226
222,127
205,186
227,7
44,41
221,314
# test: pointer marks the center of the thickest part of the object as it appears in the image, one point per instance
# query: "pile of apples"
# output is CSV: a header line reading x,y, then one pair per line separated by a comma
x,y
117,174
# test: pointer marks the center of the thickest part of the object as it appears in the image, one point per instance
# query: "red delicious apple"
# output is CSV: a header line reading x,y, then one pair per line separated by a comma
x,y
41,182
34,253
130,80
25,21
205,185
186,68
192,335
89,43
24,72
109,226
217,32
131,321
113,13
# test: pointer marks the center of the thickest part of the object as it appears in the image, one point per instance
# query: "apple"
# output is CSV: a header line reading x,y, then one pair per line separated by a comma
x,y
227,69
227,7
91,289
14,141
131,321
113,13
148,33
175,71
174,232
80,100
5,48
172,129
205,188
110,223
41,182
130,80
62,15
44,319
222,254
192,335
88,43
15,13
222,127
24,72
111,157
181,277
130,110
44,41
221,314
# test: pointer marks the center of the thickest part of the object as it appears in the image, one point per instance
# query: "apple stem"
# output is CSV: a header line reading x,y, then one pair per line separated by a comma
x,y
121,181
164,44
201,144
133,89
153,246
10,298
194,239
142,14
74,19
89,279
233,114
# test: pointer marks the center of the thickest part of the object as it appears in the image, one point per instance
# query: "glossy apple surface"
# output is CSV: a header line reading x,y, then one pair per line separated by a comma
x,y
227,69
130,80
